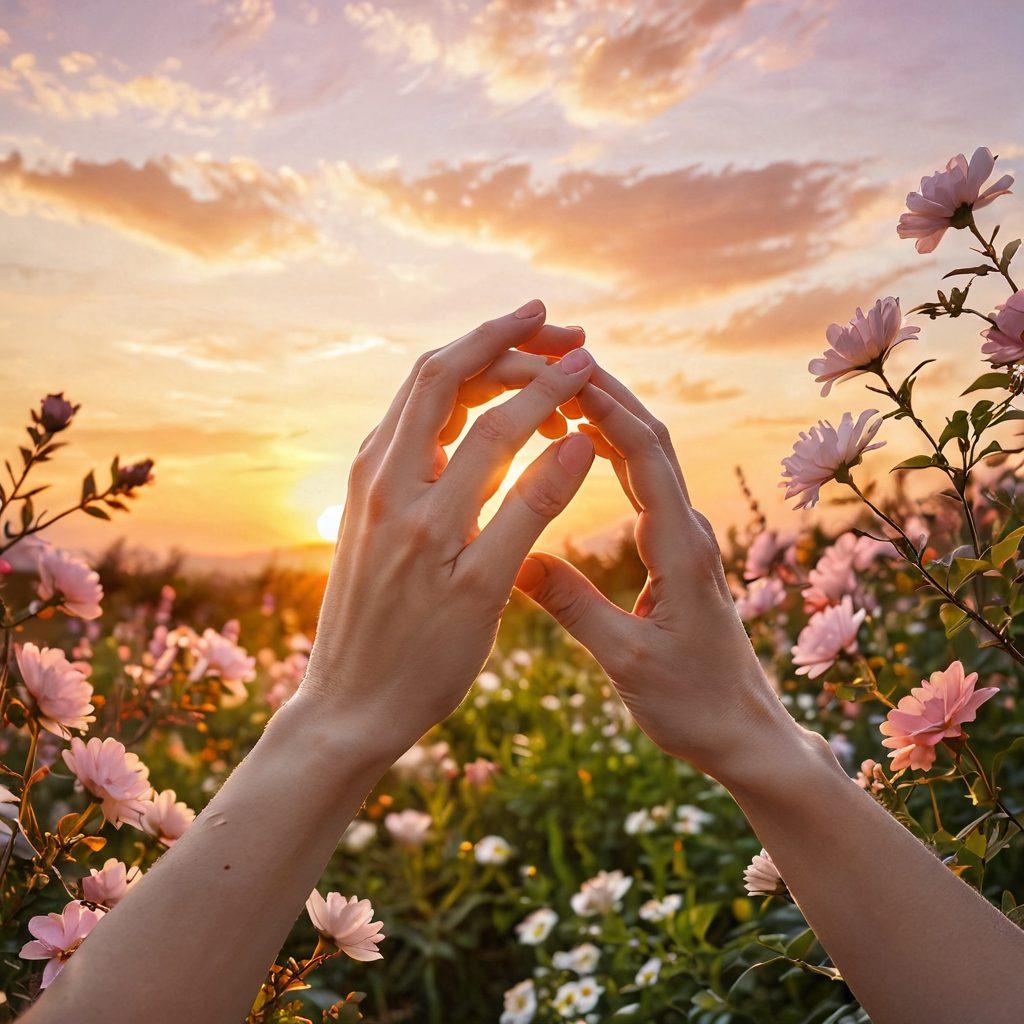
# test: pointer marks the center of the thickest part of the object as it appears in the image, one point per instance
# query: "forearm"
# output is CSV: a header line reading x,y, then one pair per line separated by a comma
x,y
912,940
193,940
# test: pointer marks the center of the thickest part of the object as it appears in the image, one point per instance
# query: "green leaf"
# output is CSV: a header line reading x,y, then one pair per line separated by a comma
x,y
1008,902
980,271
1006,548
1009,251
963,569
96,511
915,462
953,618
801,945
957,426
987,381
88,486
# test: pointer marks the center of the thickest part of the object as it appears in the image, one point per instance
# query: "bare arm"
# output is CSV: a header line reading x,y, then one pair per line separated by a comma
x,y
408,619
913,941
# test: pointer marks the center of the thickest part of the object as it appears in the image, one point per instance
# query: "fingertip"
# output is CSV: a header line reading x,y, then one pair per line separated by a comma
x,y
530,310
531,574
554,427
576,453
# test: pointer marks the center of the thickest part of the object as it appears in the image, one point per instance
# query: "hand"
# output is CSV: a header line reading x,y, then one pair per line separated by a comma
x,y
416,589
681,661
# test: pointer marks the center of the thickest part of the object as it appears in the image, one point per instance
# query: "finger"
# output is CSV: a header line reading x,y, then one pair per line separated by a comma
x,y
479,464
553,427
571,410
652,478
576,604
434,392
510,370
613,386
541,493
554,341
451,430
606,451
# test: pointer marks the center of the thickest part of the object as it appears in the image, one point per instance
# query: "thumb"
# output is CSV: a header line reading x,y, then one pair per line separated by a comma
x,y
575,603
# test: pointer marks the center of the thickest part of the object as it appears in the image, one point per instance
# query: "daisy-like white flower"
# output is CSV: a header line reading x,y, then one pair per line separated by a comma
x,y
1005,341
828,633
520,1003
639,822
110,884
536,927
947,198
601,894
408,827
576,997
117,778
762,878
648,973
863,345
492,850
55,937
359,835
827,453
347,924
166,817
932,712
60,692
760,597
690,820
659,910
70,581
580,959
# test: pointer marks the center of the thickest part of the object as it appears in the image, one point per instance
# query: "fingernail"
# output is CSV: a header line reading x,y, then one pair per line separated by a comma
x,y
532,308
530,574
576,453
576,327
576,360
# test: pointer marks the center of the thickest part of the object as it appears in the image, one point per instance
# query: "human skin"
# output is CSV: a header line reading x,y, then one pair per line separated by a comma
x,y
913,941
408,619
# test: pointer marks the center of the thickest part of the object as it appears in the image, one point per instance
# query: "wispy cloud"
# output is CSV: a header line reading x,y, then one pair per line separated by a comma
x,y
691,391
218,212
657,237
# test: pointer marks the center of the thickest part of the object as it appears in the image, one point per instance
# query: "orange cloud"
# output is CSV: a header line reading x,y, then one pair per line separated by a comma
x,y
659,238
213,211
690,391
620,61
797,319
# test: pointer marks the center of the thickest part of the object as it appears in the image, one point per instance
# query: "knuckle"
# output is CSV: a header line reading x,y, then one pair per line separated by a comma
x,y
542,496
434,368
647,439
362,467
421,531
376,500
495,426
661,432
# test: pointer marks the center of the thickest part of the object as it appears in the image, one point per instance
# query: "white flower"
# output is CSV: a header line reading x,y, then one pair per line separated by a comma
x,y
359,835
536,927
762,878
648,974
577,997
658,910
691,820
580,959
492,850
639,822
488,682
601,894
520,1003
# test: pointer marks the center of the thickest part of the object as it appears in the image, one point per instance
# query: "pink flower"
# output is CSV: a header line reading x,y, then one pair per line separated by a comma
x,y
220,654
931,713
408,827
117,778
871,776
111,883
348,923
826,453
166,817
761,596
766,551
863,345
57,936
947,197
55,413
836,574
285,677
479,772
61,693
66,577
1006,340
762,878
829,632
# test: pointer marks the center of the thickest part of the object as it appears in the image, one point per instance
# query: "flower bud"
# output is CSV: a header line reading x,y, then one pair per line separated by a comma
x,y
55,413
135,475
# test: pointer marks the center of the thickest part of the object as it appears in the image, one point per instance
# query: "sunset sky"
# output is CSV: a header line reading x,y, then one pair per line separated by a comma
x,y
227,227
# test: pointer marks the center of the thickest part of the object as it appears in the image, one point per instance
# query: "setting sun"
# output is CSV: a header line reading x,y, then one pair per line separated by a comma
x,y
329,522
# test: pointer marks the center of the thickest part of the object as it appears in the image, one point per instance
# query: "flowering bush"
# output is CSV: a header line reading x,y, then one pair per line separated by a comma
x,y
536,858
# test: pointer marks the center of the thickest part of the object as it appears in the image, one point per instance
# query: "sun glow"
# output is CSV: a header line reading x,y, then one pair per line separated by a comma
x,y
329,522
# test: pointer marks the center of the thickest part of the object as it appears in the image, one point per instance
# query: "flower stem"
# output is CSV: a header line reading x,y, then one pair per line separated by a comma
x,y
989,250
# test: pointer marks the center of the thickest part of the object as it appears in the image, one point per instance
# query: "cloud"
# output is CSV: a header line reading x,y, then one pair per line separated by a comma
x,y
656,237
216,212
690,391
79,92
244,22
622,61
798,318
